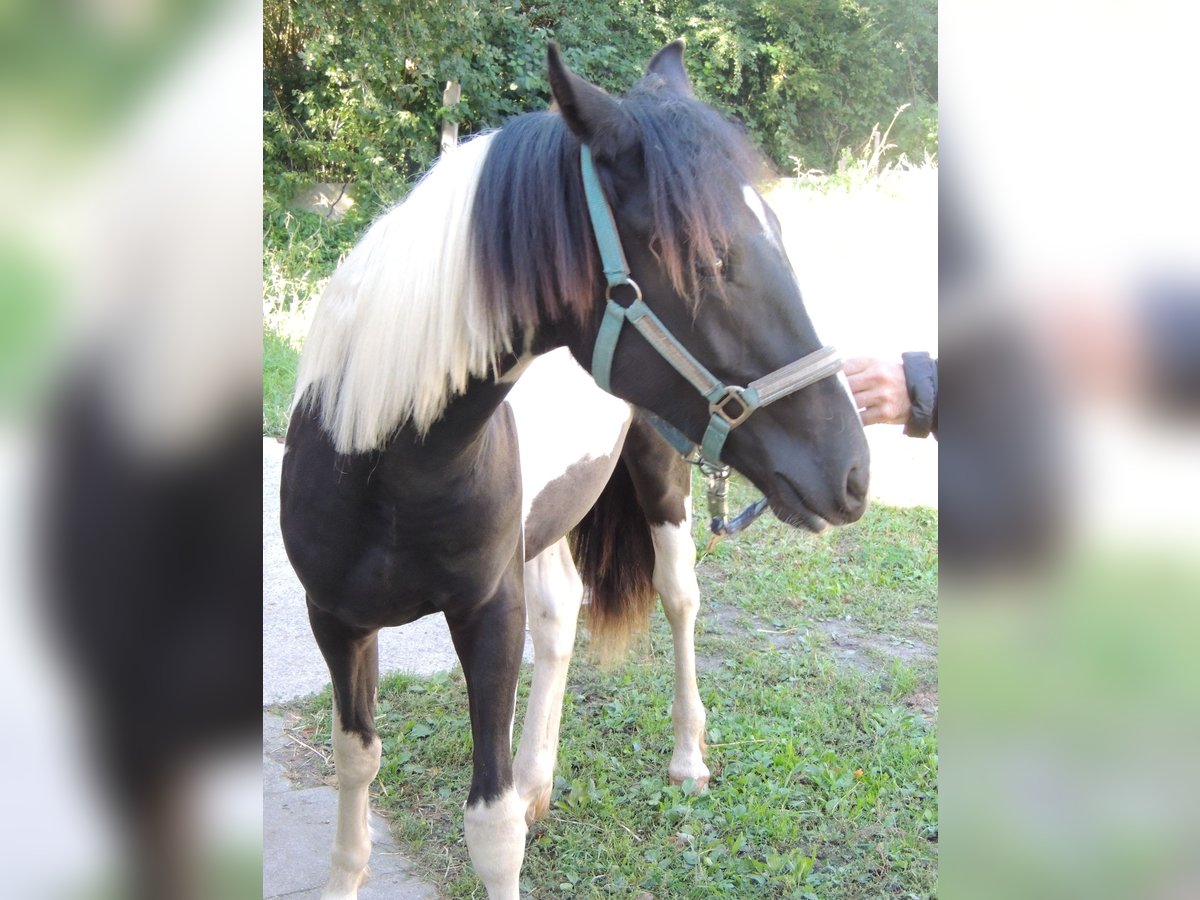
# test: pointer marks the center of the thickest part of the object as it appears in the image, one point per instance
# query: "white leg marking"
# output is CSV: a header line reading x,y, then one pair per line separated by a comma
x,y
356,768
675,581
496,841
553,593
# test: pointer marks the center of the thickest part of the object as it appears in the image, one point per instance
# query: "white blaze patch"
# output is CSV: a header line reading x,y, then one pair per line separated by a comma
x,y
759,208
562,419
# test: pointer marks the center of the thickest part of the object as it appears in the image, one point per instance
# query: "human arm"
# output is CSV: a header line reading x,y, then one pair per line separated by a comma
x,y
900,393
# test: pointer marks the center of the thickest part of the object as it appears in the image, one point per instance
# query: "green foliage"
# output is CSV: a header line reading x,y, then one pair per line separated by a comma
x,y
353,92
300,252
280,359
304,247
31,306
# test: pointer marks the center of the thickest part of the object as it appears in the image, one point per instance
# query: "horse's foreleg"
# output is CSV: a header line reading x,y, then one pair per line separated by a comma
x,y
489,640
675,581
353,659
553,593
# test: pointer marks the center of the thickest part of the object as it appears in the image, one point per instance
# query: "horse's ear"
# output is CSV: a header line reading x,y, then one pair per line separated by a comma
x,y
590,112
668,65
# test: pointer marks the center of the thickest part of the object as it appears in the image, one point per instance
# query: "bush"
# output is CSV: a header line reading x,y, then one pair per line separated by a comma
x,y
352,92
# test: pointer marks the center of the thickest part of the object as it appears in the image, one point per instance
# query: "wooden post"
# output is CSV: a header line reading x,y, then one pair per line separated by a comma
x,y
450,97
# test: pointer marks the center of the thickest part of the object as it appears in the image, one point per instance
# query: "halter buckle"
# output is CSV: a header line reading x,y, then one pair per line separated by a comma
x,y
717,408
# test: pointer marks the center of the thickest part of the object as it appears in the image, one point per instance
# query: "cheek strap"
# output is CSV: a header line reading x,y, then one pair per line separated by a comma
x,y
728,405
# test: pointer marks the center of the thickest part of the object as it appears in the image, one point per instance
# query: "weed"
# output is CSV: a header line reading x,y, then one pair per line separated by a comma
x,y
866,167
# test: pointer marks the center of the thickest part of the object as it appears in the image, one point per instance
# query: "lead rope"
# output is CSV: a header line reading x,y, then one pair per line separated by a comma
x,y
717,493
716,476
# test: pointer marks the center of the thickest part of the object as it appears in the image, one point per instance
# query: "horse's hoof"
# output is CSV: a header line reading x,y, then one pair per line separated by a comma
x,y
700,781
344,885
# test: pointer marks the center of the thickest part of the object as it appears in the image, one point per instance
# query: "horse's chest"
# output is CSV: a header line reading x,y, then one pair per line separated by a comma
x,y
455,542
569,433
389,539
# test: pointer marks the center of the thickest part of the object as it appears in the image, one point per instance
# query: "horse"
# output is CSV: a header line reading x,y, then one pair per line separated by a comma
x,y
440,453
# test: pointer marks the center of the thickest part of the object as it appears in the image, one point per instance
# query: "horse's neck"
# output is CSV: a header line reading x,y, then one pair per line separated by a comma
x,y
456,440
454,443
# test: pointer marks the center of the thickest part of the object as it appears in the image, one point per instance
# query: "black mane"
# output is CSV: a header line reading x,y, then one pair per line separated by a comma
x,y
531,234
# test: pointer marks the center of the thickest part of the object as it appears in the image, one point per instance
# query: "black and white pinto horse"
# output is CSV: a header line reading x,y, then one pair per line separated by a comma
x,y
443,446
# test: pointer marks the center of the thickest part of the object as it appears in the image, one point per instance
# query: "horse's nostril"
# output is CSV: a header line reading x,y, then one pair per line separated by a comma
x,y
856,485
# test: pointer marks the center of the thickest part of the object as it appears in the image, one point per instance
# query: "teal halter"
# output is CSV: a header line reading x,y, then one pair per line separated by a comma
x,y
728,405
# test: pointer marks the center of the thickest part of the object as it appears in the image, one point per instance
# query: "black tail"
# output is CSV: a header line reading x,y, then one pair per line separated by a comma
x,y
615,555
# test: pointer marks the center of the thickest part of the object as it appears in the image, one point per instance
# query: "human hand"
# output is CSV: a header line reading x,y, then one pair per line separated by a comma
x,y
880,390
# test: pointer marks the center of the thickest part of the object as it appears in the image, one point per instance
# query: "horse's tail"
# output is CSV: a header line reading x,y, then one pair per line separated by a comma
x,y
615,555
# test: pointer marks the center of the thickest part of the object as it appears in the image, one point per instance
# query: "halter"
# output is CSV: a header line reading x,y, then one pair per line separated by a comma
x,y
728,405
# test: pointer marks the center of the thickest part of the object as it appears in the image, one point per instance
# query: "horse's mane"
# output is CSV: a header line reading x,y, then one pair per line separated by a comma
x,y
403,323
495,239
531,233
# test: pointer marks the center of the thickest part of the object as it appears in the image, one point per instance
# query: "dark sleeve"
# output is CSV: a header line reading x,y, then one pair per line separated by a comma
x,y
921,374
1171,319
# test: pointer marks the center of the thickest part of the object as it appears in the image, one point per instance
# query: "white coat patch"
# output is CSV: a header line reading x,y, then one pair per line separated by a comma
x,y
562,419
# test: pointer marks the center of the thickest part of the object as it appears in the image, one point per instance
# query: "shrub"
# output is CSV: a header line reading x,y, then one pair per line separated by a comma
x,y
352,92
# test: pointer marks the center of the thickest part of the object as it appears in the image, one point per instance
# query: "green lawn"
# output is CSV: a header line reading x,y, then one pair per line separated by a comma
x,y
824,753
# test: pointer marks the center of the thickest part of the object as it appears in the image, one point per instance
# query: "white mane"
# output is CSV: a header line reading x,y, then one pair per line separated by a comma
x,y
403,323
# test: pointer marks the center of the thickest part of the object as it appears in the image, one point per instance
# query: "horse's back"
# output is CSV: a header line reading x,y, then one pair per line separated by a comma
x,y
570,434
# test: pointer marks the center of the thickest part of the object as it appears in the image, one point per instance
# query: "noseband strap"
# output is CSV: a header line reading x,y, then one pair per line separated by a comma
x,y
728,405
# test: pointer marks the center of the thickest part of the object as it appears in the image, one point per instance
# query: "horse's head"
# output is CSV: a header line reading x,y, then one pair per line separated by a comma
x,y
706,253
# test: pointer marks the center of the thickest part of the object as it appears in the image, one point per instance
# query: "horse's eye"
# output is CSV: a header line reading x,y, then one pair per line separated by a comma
x,y
716,269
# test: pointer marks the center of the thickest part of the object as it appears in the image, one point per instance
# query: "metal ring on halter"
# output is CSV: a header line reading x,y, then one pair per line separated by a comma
x,y
732,392
628,282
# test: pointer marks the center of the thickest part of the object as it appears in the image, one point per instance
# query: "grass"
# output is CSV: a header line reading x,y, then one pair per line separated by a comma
x,y
874,574
300,252
280,358
824,779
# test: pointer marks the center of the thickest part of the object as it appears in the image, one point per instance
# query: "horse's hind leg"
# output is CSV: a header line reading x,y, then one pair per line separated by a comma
x,y
553,593
353,659
488,640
